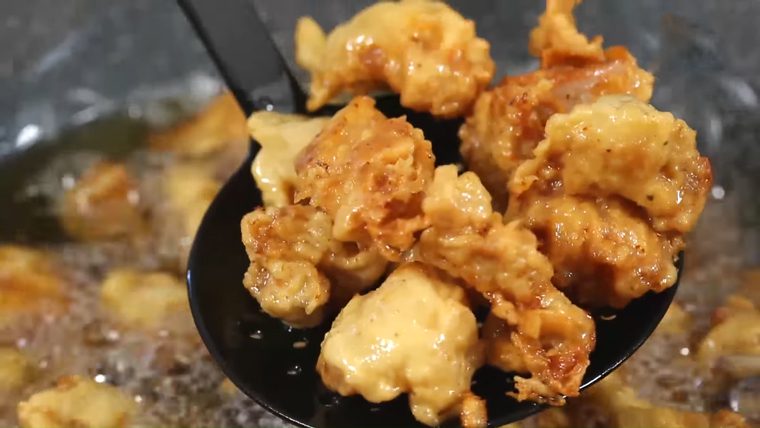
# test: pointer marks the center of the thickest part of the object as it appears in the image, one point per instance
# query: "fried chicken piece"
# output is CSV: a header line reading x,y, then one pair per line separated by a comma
x,y
77,402
604,252
423,50
147,300
735,332
624,409
219,125
296,265
284,246
610,193
539,331
369,174
351,269
30,283
508,121
282,137
557,40
414,334
103,204
188,189
624,147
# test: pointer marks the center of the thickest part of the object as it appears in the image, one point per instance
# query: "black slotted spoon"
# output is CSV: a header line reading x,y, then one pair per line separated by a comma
x,y
274,364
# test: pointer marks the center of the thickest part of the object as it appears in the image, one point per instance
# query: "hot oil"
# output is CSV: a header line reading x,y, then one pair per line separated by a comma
x,y
168,372
171,376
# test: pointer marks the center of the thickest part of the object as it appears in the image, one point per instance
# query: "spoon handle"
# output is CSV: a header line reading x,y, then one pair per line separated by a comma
x,y
244,53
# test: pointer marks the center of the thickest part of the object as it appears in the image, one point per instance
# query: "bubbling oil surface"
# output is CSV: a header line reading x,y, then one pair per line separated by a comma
x,y
174,380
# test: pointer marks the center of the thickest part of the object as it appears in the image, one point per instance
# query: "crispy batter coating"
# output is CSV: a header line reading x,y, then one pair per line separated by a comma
x,y
30,283
423,50
146,300
296,265
103,204
508,121
414,334
624,409
603,251
557,40
625,147
351,269
284,246
540,331
369,174
610,192
474,413
77,402
282,137
215,128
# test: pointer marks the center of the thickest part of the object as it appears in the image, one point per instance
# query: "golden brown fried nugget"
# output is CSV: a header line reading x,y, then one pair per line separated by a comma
x,y
216,127
604,252
735,332
296,265
557,40
284,246
610,193
147,300
541,332
30,283
188,190
369,174
77,402
414,334
423,50
103,204
508,121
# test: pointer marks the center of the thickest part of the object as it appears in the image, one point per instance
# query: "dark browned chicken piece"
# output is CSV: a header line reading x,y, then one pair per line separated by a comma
x,y
508,121
610,193
296,265
536,329
369,174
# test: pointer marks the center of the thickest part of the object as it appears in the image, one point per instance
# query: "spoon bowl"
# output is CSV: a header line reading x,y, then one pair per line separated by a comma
x,y
274,364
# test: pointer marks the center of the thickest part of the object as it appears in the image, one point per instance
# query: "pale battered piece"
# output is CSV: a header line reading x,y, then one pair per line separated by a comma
x,y
77,402
15,370
610,193
540,332
30,284
421,49
735,333
508,121
369,174
282,137
103,204
220,125
296,266
415,334
149,301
